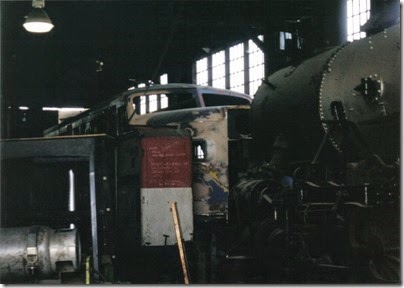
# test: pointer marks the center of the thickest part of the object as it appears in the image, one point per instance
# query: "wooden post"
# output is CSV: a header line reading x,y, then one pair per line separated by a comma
x,y
181,247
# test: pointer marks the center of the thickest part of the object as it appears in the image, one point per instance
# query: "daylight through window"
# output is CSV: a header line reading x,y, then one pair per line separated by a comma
x,y
239,67
358,13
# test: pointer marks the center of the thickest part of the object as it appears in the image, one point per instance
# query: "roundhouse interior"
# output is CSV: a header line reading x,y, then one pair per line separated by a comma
x,y
200,142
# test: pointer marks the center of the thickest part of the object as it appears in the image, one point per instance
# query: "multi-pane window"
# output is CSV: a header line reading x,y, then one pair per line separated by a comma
x,y
358,13
202,71
239,68
256,67
218,70
236,60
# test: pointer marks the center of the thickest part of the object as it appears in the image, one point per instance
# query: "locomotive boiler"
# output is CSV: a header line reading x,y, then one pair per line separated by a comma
x,y
350,94
322,202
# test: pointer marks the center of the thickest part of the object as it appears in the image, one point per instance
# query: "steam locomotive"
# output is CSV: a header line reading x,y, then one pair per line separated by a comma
x,y
327,196
301,187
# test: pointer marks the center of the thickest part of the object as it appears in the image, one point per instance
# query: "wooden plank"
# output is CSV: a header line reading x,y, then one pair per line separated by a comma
x,y
181,247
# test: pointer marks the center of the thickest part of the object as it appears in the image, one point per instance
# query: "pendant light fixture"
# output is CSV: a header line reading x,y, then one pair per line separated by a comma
x,y
37,21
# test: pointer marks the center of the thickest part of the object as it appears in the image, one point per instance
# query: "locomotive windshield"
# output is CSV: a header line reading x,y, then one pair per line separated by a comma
x,y
223,100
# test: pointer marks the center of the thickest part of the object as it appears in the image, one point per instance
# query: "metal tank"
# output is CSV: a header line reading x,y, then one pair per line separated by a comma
x,y
37,251
348,96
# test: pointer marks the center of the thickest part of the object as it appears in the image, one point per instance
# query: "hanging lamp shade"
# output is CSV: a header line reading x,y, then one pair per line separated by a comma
x,y
38,21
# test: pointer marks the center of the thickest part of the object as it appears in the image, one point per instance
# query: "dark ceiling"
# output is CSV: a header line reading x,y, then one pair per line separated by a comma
x,y
134,39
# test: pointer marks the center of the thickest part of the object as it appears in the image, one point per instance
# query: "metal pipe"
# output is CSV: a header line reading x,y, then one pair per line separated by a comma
x,y
37,250
72,206
93,211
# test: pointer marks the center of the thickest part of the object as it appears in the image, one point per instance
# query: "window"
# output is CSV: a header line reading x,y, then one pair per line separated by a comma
x,y
239,68
283,37
220,100
163,101
202,71
143,100
358,13
164,79
218,70
181,101
199,150
151,103
256,67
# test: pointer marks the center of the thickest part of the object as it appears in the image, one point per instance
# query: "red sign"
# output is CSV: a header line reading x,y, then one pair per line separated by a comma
x,y
166,162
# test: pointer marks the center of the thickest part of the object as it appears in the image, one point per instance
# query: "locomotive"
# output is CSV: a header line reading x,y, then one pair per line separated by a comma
x,y
324,204
301,187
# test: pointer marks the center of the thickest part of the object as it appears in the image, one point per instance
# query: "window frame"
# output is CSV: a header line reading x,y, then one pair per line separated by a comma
x,y
159,92
353,34
244,73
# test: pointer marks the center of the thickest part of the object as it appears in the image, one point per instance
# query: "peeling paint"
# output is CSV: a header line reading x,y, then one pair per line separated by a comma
x,y
210,183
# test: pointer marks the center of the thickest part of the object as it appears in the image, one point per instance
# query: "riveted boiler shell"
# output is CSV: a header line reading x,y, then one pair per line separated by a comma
x,y
288,105
376,117
299,99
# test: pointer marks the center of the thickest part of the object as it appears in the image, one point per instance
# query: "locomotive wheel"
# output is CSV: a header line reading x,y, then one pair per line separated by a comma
x,y
282,258
270,247
384,262
375,239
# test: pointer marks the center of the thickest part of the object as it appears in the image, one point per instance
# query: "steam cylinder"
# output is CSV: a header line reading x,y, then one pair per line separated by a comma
x,y
37,250
350,93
